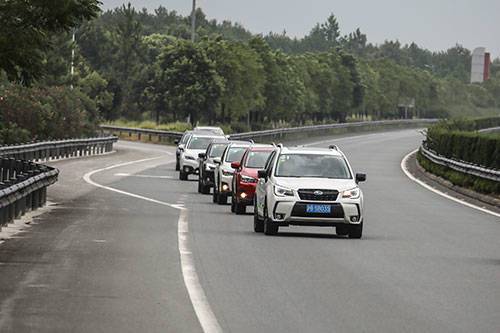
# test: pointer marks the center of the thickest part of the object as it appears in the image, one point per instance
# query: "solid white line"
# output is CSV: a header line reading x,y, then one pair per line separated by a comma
x,y
197,295
198,298
141,176
430,188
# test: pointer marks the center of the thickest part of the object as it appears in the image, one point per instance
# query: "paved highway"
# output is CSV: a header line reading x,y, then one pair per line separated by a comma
x,y
132,248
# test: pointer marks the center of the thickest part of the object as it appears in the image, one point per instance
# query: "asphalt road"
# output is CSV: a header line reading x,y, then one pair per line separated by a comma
x,y
106,261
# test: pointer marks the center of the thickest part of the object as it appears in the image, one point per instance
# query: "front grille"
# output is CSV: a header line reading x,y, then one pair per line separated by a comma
x,y
300,210
318,195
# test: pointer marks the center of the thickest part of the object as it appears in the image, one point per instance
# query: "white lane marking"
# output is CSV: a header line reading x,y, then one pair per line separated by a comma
x,y
430,188
142,176
198,298
197,295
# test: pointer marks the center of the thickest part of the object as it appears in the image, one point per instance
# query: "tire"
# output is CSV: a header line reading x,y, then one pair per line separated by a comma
x,y
183,175
199,186
205,189
222,199
342,230
240,209
356,231
215,196
258,223
177,164
270,229
233,204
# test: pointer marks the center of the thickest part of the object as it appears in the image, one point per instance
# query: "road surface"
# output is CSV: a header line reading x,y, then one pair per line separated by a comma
x,y
106,259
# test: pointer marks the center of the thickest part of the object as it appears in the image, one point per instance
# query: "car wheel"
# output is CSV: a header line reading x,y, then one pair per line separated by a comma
x,y
177,164
215,196
240,208
205,189
183,175
199,186
222,199
233,204
342,230
356,231
269,227
258,223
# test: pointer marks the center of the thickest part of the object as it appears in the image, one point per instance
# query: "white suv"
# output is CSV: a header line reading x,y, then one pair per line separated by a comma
x,y
309,187
188,159
223,174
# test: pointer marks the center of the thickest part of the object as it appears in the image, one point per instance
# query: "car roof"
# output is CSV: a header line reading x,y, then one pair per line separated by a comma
x,y
312,151
208,135
261,147
220,141
233,143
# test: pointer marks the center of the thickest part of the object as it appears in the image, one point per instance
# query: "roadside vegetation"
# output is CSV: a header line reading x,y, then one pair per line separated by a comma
x,y
139,68
459,139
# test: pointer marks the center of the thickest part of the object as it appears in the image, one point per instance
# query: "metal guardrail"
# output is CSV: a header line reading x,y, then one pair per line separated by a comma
x,y
461,166
266,133
490,130
141,132
23,187
53,150
23,183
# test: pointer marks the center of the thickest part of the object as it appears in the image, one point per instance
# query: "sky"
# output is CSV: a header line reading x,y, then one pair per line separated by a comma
x,y
433,24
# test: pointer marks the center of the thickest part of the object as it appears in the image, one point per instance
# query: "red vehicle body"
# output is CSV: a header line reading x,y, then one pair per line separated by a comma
x,y
245,176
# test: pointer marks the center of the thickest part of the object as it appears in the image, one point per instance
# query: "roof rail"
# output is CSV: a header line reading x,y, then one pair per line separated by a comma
x,y
334,147
280,145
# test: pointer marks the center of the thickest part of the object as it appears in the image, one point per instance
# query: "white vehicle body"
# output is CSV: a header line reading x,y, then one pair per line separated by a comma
x,y
223,174
307,200
210,129
188,159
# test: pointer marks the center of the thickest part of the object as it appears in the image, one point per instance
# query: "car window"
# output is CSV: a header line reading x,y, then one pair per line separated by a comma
x,y
270,162
312,165
235,154
257,159
185,138
199,142
217,149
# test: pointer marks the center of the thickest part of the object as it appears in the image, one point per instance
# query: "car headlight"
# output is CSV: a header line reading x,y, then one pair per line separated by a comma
x,y
248,179
209,167
353,193
188,157
282,192
227,173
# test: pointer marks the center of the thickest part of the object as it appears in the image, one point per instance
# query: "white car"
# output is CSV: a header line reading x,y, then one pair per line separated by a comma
x,y
188,159
210,129
223,174
309,187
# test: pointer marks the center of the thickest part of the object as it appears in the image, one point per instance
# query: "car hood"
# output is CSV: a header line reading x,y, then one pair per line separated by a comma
x,y
194,152
316,183
250,172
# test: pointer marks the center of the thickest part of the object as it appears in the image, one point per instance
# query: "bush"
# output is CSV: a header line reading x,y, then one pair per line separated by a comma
x,y
458,139
45,113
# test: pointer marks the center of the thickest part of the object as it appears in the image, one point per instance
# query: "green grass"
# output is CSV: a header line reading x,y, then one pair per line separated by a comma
x,y
477,184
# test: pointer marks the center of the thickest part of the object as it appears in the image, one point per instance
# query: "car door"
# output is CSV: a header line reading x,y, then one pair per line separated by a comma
x,y
262,185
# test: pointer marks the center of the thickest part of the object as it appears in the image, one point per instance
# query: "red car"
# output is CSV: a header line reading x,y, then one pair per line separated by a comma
x,y
245,176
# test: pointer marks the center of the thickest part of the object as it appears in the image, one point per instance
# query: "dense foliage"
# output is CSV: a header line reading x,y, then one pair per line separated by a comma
x,y
458,139
141,66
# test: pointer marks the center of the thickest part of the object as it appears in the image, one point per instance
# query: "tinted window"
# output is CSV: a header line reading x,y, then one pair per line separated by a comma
x,y
235,154
311,165
199,143
185,138
257,159
217,150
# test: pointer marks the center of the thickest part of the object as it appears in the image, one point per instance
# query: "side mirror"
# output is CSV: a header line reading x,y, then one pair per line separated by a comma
x,y
262,174
217,160
360,177
202,155
235,165
181,148
176,141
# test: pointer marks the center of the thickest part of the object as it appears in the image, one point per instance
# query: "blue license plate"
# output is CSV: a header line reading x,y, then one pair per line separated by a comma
x,y
319,209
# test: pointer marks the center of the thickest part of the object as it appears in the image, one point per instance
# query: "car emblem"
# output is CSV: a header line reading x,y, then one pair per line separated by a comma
x,y
318,193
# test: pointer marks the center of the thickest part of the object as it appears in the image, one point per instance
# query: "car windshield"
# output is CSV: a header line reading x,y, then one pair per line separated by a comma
x,y
199,142
257,159
235,154
312,165
217,150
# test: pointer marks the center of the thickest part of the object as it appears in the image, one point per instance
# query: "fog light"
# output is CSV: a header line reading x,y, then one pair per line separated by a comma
x,y
354,218
279,216
243,195
225,187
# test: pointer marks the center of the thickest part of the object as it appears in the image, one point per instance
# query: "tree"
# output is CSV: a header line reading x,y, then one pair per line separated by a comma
x,y
26,29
